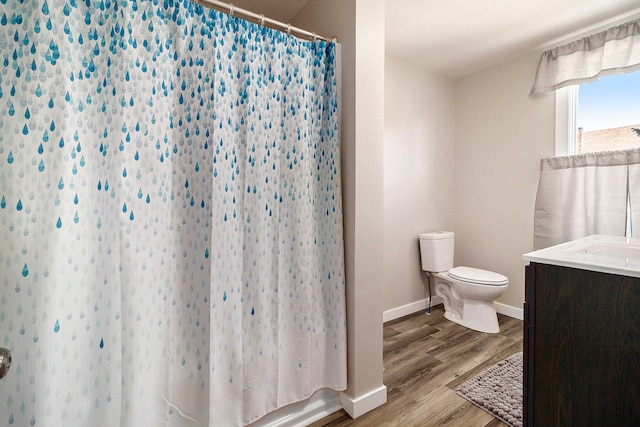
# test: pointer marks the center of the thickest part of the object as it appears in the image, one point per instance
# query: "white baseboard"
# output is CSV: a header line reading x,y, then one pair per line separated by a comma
x,y
321,404
365,403
507,310
405,310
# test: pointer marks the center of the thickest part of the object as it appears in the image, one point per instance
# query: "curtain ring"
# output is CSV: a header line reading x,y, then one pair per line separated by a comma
x,y
315,37
288,28
231,9
262,20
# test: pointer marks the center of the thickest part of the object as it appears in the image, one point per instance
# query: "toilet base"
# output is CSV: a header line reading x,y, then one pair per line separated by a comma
x,y
477,314
479,317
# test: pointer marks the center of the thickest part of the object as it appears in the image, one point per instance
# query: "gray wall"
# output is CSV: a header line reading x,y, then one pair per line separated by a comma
x,y
419,175
462,156
501,135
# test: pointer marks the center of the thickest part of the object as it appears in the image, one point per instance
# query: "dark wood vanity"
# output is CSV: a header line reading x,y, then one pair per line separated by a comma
x,y
581,347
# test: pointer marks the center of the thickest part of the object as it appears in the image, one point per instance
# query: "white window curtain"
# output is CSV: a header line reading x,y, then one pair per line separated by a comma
x,y
614,51
586,194
634,196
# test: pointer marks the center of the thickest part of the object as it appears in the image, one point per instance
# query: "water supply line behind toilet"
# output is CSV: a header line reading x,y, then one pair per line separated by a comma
x,y
429,290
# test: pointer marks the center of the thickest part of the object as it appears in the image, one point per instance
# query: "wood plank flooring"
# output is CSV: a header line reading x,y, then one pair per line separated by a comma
x,y
425,359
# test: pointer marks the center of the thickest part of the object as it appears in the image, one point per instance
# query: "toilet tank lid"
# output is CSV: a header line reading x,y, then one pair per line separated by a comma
x,y
437,235
476,275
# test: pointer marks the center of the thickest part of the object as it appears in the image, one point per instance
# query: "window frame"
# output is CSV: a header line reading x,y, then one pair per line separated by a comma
x,y
566,120
567,132
566,116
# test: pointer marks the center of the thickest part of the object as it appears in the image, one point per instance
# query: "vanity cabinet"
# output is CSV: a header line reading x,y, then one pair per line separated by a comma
x,y
581,347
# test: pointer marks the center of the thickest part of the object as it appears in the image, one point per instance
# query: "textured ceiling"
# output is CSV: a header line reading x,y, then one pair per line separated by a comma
x,y
455,38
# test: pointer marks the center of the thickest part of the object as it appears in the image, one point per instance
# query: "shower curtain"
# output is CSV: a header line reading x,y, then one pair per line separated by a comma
x,y
171,248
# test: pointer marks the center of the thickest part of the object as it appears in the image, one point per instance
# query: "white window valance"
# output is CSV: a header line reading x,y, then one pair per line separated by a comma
x,y
614,51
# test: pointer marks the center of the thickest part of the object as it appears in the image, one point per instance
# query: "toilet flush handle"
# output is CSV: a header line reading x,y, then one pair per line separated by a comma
x,y
5,361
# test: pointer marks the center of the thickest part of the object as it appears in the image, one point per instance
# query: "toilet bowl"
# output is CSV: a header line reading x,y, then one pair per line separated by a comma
x,y
467,293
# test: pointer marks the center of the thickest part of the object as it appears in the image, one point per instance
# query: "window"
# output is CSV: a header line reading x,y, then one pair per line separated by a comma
x,y
599,116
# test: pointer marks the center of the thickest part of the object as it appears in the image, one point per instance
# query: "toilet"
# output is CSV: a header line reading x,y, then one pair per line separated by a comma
x,y
467,293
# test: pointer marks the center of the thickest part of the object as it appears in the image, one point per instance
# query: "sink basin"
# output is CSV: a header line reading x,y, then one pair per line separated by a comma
x,y
607,254
610,249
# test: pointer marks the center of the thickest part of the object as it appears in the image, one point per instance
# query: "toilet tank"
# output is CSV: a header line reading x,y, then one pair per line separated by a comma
x,y
436,251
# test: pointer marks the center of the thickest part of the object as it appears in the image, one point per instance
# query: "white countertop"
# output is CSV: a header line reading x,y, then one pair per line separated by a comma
x,y
606,254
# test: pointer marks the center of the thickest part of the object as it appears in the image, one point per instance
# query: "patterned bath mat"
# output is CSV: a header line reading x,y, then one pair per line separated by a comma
x,y
498,390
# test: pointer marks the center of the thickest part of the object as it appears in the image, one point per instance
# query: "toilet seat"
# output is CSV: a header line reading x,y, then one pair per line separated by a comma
x,y
478,276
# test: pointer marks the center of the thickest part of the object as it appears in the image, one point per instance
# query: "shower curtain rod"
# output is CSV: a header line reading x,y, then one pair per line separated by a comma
x,y
261,19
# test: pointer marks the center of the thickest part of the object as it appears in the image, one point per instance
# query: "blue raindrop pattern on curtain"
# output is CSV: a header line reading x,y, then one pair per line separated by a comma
x,y
278,275
170,215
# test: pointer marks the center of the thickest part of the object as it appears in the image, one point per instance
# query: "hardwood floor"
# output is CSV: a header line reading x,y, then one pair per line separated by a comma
x,y
425,359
